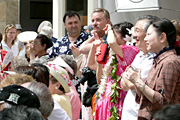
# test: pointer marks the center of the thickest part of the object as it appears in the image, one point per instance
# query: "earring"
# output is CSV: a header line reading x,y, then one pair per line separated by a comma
x,y
56,88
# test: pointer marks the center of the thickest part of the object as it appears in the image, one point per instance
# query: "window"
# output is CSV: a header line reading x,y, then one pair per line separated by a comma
x,y
40,10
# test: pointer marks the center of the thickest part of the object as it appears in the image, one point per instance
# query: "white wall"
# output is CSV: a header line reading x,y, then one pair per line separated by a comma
x,y
131,16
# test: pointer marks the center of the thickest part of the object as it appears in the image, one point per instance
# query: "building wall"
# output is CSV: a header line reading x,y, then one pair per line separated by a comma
x,y
28,23
18,11
8,13
170,9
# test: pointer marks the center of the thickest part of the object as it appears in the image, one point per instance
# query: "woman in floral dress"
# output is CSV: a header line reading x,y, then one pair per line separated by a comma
x,y
111,97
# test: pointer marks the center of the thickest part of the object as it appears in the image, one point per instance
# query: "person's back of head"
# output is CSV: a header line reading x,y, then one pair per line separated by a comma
x,y
177,26
170,112
18,61
42,24
16,79
45,97
35,72
71,62
44,69
48,31
20,113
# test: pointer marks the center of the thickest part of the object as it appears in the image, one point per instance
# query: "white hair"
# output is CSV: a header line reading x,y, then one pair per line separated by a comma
x,y
48,31
44,23
45,97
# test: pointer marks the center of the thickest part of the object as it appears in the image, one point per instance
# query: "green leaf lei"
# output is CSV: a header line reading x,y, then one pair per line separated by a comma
x,y
115,88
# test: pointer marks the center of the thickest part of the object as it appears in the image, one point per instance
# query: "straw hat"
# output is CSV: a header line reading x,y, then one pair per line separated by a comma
x,y
61,75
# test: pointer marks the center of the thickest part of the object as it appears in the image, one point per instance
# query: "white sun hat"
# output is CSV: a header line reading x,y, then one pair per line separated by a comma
x,y
27,36
59,61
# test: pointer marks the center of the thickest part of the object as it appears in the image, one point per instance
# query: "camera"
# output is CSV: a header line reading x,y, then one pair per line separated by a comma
x,y
87,75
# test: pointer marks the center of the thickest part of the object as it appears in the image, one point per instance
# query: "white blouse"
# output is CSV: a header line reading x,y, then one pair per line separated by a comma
x,y
13,49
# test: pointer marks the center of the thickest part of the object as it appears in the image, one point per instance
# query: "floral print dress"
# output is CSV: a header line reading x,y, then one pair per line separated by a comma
x,y
104,105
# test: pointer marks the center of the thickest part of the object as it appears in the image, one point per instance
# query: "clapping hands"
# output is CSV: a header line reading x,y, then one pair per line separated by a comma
x,y
132,74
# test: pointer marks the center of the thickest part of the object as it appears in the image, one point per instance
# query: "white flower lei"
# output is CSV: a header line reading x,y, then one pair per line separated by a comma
x,y
105,74
129,41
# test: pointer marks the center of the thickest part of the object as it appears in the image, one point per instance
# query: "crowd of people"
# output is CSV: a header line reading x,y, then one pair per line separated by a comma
x,y
109,72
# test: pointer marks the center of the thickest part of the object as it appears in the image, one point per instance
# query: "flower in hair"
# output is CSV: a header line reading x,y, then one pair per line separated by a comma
x,y
131,31
129,39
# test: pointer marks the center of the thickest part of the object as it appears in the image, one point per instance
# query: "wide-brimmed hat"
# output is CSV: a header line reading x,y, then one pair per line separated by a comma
x,y
18,95
61,75
59,61
27,36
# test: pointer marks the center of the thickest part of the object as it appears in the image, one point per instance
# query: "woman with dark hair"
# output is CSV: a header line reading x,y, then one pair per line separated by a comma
x,y
45,70
110,103
163,82
39,48
35,72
